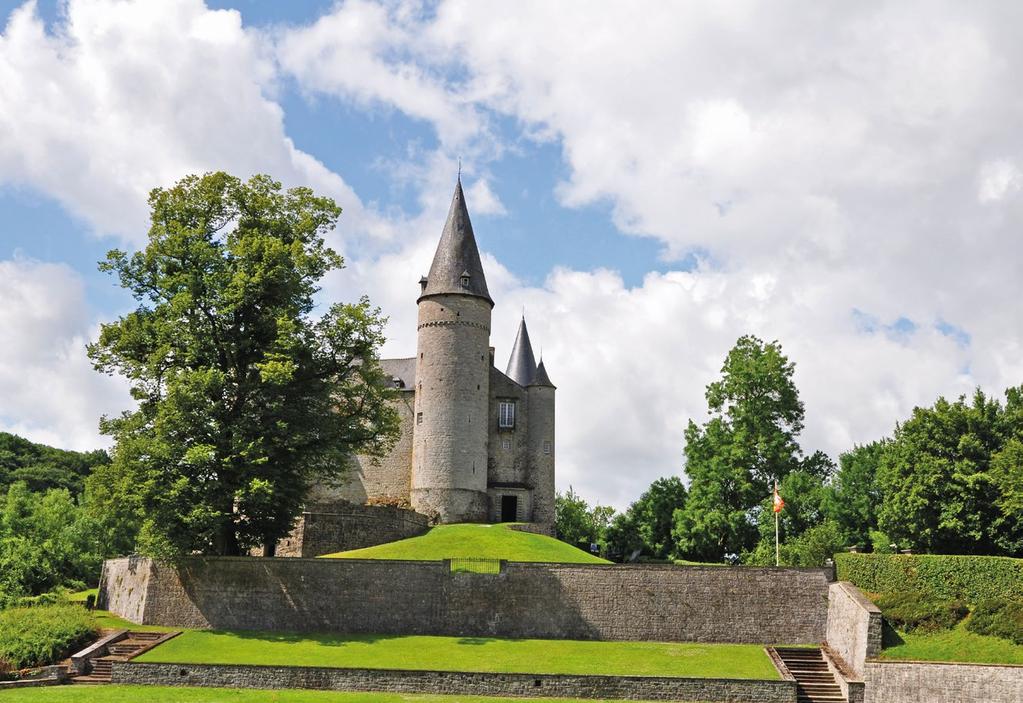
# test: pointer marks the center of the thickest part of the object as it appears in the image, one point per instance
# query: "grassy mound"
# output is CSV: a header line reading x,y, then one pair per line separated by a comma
x,y
956,645
43,634
478,654
475,541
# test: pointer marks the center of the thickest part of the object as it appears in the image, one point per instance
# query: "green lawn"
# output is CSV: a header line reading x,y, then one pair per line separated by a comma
x,y
108,620
482,654
164,694
955,645
466,540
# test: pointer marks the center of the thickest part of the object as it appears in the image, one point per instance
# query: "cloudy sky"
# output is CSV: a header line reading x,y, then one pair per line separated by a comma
x,y
846,178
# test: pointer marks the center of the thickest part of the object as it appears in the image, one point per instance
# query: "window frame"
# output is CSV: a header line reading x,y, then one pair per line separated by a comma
x,y
506,414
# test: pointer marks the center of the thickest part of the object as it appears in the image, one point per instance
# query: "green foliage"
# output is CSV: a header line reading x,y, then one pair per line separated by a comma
x,y
811,548
955,645
748,444
244,399
42,634
468,541
48,541
578,524
912,611
943,577
853,498
998,617
41,467
646,525
948,475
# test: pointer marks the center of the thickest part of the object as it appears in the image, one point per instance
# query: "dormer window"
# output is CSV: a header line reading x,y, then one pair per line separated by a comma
x,y
464,279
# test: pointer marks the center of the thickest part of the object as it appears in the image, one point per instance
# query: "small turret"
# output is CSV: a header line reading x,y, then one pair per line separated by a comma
x,y
540,378
521,363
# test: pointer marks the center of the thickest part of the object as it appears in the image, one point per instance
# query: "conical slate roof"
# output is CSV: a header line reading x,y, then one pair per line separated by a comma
x,y
540,378
456,266
522,363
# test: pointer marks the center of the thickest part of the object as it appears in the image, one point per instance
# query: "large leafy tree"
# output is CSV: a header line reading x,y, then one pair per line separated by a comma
x,y
854,497
646,525
944,476
748,443
244,397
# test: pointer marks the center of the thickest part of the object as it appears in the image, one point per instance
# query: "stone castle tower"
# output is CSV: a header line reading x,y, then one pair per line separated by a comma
x,y
477,444
450,435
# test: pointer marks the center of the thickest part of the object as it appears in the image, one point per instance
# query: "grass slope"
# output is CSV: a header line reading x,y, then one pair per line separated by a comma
x,y
466,540
482,654
165,694
955,645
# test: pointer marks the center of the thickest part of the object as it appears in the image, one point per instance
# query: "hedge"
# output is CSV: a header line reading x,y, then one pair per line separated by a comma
x,y
945,577
43,634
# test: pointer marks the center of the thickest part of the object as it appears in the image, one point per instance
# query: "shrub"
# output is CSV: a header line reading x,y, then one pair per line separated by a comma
x,y
43,634
915,610
998,617
943,577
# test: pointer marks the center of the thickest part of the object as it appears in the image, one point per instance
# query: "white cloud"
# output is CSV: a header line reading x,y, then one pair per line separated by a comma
x,y
997,180
121,97
48,389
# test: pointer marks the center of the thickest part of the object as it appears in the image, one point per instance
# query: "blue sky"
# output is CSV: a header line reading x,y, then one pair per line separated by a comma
x,y
648,188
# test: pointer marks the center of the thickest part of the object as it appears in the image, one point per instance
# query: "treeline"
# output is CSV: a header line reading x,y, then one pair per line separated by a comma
x,y
41,467
58,519
948,480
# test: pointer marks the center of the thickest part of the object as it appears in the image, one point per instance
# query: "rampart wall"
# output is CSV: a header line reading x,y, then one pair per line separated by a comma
x,y
559,601
328,528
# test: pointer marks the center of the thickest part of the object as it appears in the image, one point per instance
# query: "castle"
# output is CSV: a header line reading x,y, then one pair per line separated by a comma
x,y
476,445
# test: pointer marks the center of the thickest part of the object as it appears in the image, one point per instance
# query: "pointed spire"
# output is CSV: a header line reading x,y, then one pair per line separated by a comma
x,y
456,266
540,378
522,363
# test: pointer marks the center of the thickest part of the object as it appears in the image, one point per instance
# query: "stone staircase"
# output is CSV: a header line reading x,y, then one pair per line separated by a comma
x,y
814,681
99,668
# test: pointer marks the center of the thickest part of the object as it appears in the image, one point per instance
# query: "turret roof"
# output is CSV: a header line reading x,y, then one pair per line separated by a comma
x,y
540,378
522,363
457,258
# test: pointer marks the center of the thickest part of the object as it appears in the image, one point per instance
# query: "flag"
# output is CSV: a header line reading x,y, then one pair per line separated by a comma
x,y
778,502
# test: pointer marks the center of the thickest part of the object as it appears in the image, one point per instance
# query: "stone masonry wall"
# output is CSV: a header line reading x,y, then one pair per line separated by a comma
x,y
559,601
854,628
928,682
124,586
325,529
447,682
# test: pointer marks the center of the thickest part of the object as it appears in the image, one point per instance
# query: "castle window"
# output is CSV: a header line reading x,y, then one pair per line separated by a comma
x,y
464,279
505,444
419,418
506,417
546,447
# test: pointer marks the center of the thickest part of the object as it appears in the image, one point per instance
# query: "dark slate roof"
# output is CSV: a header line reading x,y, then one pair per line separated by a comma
x,y
402,369
457,256
540,378
522,363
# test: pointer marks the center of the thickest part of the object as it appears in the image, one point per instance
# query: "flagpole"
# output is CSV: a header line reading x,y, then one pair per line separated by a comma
x,y
777,545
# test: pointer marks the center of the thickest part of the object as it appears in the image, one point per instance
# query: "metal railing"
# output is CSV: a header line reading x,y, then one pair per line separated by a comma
x,y
475,565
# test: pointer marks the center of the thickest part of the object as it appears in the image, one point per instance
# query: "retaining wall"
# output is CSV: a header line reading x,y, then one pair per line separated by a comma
x,y
927,682
557,601
459,683
854,628
338,527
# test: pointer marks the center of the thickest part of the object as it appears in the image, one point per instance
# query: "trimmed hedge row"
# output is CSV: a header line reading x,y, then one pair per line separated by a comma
x,y
945,577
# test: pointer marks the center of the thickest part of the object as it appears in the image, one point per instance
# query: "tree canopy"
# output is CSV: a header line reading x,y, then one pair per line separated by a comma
x,y
244,396
748,443
41,467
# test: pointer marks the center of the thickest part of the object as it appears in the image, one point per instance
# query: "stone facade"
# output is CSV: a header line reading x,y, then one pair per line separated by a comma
x,y
477,445
653,688
325,529
854,628
927,682
549,601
